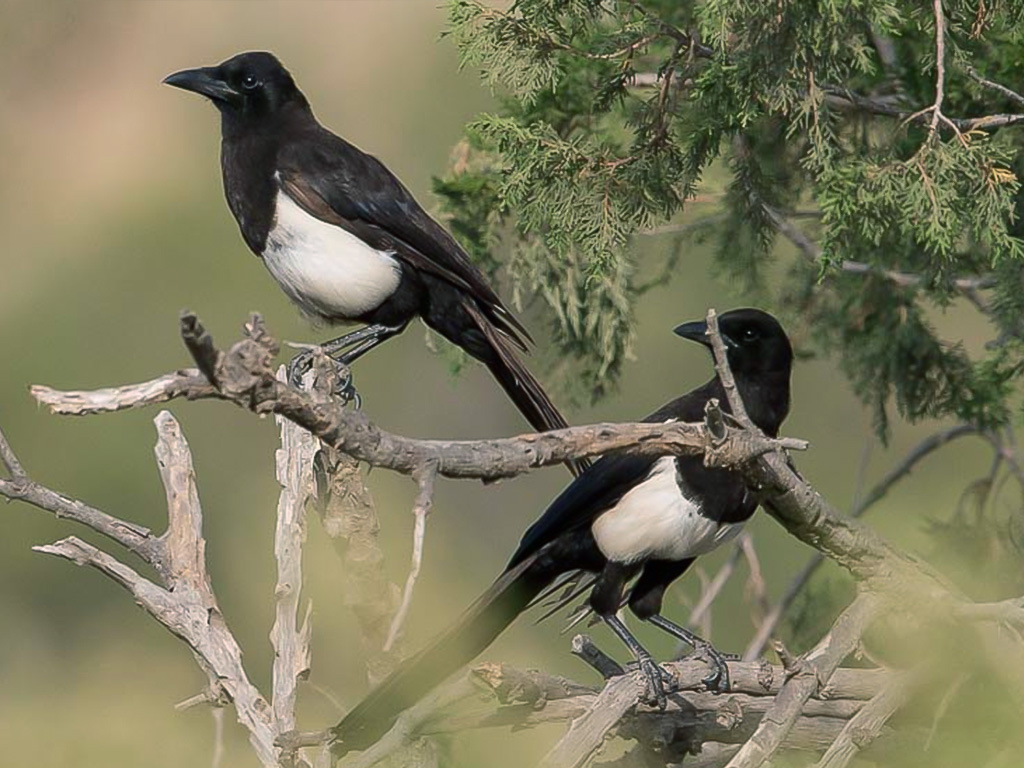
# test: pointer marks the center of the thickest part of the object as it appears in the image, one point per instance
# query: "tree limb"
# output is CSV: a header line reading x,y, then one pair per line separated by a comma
x,y
867,724
812,671
10,459
289,639
923,449
186,605
424,477
243,375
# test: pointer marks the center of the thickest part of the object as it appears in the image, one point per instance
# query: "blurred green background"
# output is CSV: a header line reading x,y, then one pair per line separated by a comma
x,y
113,221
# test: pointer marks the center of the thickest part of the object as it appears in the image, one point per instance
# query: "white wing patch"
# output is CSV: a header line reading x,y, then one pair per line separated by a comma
x,y
654,520
324,269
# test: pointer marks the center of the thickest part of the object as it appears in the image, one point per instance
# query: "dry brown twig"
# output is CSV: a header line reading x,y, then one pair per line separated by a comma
x,y
424,477
183,600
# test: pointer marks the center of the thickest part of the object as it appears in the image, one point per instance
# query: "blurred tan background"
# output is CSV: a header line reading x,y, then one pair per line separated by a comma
x,y
112,221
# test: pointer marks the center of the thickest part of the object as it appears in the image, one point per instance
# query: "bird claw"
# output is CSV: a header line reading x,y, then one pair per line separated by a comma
x,y
298,367
717,680
344,388
657,677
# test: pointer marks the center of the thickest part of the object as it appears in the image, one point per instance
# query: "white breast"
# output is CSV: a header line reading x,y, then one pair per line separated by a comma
x,y
655,520
324,269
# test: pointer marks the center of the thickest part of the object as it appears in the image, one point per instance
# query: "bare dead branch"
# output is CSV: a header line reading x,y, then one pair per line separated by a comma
x,y
940,68
243,376
968,286
184,547
844,97
782,224
878,492
584,648
867,724
289,639
184,383
692,717
408,724
1005,611
10,459
812,671
908,279
587,732
739,411
134,537
205,632
1012,95
349,518
715,586
185,604
755,588
191,611
424,477
943,707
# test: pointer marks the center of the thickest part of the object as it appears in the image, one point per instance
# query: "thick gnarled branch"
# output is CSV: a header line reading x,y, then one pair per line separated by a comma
x,y
243,375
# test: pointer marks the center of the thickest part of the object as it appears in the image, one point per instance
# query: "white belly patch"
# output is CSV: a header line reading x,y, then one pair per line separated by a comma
x,y
654,520
324,269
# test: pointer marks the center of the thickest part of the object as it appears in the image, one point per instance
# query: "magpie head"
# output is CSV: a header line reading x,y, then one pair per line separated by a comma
x,y
249,87
754,341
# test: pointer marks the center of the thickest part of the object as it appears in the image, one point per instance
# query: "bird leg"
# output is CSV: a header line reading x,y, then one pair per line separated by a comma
x,y
344,350
718,679
656,676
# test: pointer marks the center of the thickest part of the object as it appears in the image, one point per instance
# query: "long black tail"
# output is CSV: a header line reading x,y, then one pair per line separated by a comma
x,y
479,626
519,384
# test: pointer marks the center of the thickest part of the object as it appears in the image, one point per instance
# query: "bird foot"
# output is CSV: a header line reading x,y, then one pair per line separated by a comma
x,y
717,680
659,682
344,388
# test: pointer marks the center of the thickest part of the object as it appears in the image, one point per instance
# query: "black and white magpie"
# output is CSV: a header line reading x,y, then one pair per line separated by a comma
x,y
633,523
342,235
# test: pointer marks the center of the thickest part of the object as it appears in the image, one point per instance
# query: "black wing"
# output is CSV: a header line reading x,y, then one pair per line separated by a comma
x,y
607,481
358,188
590,494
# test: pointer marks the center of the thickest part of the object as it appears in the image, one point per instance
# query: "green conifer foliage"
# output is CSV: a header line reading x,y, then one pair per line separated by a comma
x,y
889,160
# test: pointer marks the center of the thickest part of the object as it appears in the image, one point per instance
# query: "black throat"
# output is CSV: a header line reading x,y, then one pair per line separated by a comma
x,y
248,159
765,398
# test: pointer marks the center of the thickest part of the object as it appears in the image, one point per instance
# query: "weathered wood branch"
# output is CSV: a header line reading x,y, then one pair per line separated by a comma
x,y
349,517
289,638
10,459
878,492
518,699
867,724
425,477
185,603
243,375
812,670
587,732
136,538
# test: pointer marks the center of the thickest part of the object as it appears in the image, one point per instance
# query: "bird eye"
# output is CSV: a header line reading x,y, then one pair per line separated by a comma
x,y
250,82
749,334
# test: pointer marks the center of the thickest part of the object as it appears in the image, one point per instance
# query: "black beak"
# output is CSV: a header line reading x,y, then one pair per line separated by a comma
x,y
203,81
695,331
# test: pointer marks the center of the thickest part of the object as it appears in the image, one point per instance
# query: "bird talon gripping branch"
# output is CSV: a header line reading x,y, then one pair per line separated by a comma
x,y
655,694
717,680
